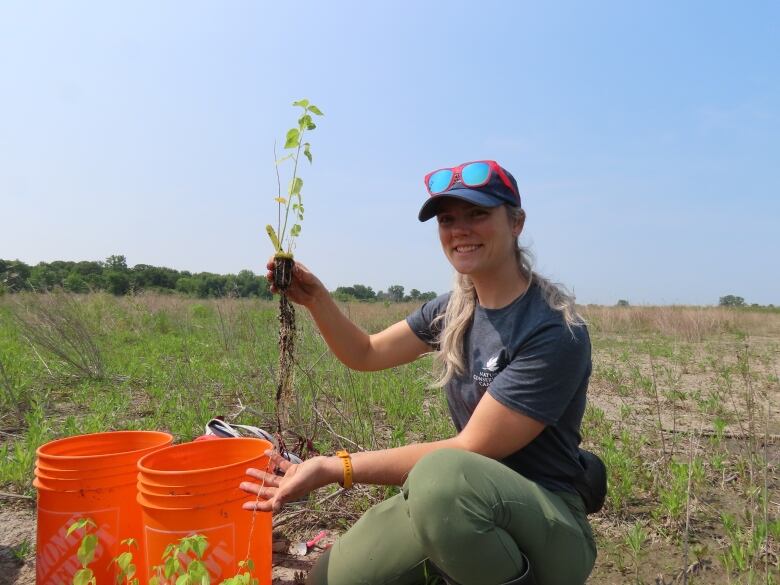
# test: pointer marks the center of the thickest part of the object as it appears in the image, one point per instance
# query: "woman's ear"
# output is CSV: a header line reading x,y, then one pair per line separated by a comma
x,y
519,223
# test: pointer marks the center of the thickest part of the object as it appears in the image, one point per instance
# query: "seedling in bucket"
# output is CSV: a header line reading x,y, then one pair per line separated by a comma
x,y
283,239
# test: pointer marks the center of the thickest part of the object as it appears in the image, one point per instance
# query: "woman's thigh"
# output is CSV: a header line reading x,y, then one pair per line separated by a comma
x,y
476,519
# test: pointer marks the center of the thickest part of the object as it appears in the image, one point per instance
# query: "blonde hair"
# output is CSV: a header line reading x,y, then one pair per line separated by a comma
x,y
449,359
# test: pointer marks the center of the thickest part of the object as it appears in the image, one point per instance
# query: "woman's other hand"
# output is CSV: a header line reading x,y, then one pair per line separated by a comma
x,y
297,481
304,287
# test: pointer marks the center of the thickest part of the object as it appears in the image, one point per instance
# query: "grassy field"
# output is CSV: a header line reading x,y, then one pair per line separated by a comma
x,y
684,408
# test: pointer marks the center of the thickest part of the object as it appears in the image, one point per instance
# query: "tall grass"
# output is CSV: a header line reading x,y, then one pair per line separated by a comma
x,y
682,408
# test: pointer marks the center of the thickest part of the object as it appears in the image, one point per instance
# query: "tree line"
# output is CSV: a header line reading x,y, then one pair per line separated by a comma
x,y
114,276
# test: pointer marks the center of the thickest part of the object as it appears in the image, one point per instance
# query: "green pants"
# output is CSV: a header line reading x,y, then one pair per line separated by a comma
x,y
471,517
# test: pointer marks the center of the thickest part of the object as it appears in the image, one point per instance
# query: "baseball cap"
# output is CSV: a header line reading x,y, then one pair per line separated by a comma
x,y
492,194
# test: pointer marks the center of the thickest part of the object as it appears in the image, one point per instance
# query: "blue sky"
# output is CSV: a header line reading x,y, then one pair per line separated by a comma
x,y
644,136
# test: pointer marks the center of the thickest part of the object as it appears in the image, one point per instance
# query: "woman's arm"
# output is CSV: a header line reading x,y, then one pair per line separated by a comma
x,y
494,430
394,346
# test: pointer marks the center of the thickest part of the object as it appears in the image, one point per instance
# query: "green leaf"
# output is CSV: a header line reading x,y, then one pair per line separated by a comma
x,y
79,524
86,552
281,200
130,542
304,121
295,186
82,577
296,229
315,110
302,103
183,579
154,580
200,545
284,158
274,240
130,571
124,560
306,151
292,139
170,568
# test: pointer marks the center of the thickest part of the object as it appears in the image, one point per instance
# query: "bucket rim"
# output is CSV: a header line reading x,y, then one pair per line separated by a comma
x,y
42,454
202,445
141,499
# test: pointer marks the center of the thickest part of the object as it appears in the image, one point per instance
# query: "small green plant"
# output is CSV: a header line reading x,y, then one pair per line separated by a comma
x,y
22,550
124,563
635,539
282,240
86,551
174,571
243,578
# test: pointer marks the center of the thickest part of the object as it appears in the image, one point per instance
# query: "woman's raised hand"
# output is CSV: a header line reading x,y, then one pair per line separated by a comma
x,y
276,490
304,286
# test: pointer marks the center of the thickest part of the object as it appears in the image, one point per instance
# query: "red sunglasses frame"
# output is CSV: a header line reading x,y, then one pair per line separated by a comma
x,y
493,167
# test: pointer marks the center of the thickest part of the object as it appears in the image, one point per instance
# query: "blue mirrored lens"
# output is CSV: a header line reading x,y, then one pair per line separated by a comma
x,y
439,181
475,174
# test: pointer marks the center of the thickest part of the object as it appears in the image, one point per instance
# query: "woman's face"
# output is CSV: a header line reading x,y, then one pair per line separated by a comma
x,y
477,240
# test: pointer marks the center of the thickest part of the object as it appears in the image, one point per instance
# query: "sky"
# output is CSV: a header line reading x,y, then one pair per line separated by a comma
x,y
644,136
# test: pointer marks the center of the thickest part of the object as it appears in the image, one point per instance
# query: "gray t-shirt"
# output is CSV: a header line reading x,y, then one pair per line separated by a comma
x,y
528,360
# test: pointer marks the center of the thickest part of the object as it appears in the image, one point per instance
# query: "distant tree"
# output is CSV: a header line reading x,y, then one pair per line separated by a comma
x,y
44,278
363,293
118,282
427,296
414,294
395,293
731,301
187,285
622,303
17,276
74,282
116,263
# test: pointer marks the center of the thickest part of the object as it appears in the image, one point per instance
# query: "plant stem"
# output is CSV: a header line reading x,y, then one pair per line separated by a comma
x,y
289,201
278,194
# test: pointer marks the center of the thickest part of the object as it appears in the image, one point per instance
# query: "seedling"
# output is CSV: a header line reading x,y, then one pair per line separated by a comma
x,y
124,563
86,551
284,242
282,239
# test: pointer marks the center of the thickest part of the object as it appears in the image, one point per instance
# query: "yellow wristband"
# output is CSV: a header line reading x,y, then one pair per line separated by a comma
x,y
347,461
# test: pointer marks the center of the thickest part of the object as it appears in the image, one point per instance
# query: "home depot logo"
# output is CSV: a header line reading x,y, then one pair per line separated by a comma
x,y
57,555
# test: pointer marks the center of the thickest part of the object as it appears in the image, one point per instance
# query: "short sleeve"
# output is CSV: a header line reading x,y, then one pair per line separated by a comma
x,y
541,380
421,321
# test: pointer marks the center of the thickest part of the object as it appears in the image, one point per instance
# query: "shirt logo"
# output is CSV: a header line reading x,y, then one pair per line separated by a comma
x,y
491,369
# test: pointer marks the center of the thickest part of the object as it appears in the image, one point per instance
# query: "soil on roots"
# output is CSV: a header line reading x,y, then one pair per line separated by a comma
x,y
284,378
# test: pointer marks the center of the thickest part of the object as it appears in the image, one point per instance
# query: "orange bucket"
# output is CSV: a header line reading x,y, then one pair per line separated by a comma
x,y
106,493
208,506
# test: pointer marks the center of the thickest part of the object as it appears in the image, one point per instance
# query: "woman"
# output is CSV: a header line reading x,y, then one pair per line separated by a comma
x,y
496,503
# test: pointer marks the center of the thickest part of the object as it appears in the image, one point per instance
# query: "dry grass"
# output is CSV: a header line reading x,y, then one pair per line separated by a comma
x,y
692,324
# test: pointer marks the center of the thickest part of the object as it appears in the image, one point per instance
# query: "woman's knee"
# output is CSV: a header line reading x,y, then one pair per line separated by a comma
x,y
438,493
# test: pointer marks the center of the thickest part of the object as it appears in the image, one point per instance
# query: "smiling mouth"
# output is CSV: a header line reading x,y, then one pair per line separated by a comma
x,y
467,249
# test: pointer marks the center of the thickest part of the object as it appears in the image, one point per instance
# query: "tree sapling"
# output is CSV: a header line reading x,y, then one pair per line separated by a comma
x,y
283,241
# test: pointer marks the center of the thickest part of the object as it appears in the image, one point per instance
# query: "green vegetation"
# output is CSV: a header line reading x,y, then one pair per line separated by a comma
x,y
683,409
182,562
282,240
115,277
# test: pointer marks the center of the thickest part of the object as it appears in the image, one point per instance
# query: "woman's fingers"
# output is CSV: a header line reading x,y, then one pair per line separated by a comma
x,y
259,505
264,476
276,461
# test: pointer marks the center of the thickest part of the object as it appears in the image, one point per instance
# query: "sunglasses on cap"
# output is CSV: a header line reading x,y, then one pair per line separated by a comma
x,y
471,174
